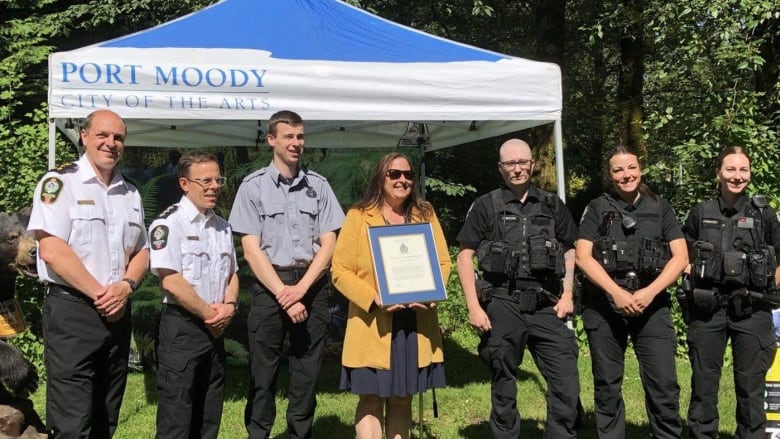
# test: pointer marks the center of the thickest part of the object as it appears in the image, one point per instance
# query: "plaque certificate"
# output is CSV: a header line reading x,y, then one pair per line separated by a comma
x,y
406,264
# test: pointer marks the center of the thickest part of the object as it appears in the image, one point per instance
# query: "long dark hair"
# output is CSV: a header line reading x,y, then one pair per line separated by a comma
x,y
622,149
374,197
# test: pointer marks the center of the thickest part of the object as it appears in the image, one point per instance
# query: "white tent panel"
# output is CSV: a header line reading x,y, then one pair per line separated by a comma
x,y
212,78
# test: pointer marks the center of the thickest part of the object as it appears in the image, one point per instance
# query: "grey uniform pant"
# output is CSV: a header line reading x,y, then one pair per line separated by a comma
x,y
554,349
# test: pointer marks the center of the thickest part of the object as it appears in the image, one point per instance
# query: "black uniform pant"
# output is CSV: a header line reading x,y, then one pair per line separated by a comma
x,y
753,347
86,365
653,337
554,349
190,377
268,325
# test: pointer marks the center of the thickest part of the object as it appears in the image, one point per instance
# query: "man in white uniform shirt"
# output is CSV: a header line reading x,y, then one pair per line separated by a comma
x,y
193,255
92,252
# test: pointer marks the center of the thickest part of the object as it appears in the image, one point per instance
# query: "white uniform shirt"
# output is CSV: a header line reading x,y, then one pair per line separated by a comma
x,y
104,226
198,246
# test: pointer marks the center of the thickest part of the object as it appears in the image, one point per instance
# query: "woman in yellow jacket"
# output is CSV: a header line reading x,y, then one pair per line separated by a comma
x,y
390,353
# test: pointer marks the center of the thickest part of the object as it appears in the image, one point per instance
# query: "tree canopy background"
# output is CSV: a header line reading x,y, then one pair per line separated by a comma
x,y
678,81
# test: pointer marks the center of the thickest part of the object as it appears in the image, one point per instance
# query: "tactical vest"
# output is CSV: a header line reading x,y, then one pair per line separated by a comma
x,y
522,245
731,251
630,242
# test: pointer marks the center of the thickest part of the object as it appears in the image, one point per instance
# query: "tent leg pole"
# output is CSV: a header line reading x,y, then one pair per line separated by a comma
x,y
559,160
422,171
52,143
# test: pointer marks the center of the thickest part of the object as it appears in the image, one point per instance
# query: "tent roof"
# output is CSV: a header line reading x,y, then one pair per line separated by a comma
x,y
304,30
215,76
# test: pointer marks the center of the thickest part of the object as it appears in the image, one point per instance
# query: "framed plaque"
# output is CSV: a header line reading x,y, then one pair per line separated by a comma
x,y
406,265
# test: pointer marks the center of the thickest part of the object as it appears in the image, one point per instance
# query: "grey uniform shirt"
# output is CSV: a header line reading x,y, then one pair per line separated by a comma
x,y
288,218
198,246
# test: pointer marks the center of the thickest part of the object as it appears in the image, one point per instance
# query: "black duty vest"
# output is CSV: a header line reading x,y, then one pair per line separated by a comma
x,y
522,245
731,251
630,241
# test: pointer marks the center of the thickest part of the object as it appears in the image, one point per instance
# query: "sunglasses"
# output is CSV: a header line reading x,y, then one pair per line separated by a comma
x,y
395,174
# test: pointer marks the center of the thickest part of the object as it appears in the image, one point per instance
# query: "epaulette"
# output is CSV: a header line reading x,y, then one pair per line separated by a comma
x,y
168,211
308,172
255,174
65,167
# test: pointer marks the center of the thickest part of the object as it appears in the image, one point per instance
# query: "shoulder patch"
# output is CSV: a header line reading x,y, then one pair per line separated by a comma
x,y
159,237
168,211
51,189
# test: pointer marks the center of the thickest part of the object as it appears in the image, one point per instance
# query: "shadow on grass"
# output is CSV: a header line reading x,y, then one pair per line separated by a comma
x,y
330,424
465,367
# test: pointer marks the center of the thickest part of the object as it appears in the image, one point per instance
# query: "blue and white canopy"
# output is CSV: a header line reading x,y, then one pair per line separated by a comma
x,y
212,78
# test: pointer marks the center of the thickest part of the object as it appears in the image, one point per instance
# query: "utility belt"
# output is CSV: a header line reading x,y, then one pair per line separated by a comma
x,y
741,302
528,295
631,281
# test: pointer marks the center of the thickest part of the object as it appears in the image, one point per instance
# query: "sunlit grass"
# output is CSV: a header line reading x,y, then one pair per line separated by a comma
x,y
464,406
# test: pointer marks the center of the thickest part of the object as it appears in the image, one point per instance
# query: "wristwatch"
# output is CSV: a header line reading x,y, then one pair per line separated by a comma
x,y
235,306
132,283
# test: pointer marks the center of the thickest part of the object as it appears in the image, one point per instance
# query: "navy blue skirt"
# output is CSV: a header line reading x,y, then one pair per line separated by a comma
x,y
404,377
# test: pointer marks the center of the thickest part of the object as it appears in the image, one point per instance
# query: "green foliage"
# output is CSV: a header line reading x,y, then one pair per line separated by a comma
x,y
453,313
237,353
31,346
24,156
449,188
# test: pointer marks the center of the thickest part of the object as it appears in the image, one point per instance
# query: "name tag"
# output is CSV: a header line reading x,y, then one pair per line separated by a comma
x,y
193,238
85,202
744,222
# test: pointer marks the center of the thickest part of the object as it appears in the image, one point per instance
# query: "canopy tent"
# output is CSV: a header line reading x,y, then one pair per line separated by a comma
x,y
212,78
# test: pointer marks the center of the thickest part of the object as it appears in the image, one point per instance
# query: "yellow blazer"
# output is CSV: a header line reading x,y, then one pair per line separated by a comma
x,y
369,331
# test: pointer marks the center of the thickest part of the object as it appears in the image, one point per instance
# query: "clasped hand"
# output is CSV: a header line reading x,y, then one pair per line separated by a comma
x,y
111,300
633,304
220,320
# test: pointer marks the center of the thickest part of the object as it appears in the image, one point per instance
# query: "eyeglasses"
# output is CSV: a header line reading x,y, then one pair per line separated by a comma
x,y
395,174
509,165
203,182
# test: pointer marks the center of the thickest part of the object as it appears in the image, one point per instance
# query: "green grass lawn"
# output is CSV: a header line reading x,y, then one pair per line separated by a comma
x,y
464,406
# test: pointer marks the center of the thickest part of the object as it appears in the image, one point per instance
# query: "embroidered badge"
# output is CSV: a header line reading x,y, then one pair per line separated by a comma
x,y
159,237
311,193
51,190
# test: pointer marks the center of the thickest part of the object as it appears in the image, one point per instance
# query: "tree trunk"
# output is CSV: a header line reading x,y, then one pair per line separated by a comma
x,y
768,75
549,16
631,79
